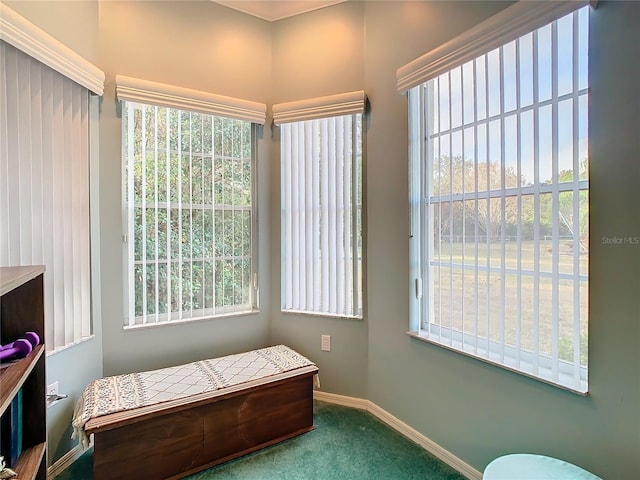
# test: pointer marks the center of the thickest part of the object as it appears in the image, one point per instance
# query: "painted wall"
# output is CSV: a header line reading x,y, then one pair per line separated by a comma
x,y
72,368
316,54
474,410
199,45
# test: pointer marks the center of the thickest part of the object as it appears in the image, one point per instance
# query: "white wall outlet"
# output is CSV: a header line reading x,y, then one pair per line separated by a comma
x,y
52,390
326,343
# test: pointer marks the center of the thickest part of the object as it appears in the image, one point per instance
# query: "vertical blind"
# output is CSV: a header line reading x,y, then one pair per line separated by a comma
x,y
190,223
503,244
44,187
321,200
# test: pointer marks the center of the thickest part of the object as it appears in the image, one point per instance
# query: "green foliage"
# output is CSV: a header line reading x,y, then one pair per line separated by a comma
x,y
189,192
566,349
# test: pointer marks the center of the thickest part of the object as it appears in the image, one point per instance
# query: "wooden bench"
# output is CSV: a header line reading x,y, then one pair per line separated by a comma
x,y
179,437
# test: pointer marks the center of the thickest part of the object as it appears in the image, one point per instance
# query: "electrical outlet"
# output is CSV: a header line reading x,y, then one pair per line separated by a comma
x,y
326,343
52,390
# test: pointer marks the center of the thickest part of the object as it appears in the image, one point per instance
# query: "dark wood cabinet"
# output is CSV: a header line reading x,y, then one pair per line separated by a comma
x,y
22,310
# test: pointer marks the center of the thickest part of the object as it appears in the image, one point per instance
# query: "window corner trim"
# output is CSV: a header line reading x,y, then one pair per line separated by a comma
x,y
320,107
503,27
35,42
181,98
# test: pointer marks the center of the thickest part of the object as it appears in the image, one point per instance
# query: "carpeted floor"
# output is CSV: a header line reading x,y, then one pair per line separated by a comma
x,y
346,444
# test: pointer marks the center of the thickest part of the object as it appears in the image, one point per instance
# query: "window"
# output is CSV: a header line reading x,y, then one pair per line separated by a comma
x,y
499,201
45,184
46,111
321,205
190,222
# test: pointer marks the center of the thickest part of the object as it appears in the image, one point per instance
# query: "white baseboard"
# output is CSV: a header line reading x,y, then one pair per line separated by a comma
x,y
402,428
352,402
65,462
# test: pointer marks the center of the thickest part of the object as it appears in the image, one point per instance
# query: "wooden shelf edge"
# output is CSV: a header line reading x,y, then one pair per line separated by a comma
x,y
14,376
29,462
12,277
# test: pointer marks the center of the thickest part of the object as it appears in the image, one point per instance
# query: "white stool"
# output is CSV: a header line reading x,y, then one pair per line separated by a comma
x,y
523,466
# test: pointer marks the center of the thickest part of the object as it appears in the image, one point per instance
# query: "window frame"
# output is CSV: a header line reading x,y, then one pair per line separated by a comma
x,y
48,53
412,79
226,109
342,107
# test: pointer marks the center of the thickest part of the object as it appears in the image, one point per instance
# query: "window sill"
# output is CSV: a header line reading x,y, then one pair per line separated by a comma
x,y
545,375
184,321
70,345
321,314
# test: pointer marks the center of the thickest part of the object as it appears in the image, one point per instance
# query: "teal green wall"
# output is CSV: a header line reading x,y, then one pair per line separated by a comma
x,y
199,45
474,410
316,54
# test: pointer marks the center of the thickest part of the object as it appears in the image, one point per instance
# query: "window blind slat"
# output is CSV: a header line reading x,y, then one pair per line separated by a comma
x,y
317,162
555,232
578,245
190,293
287,185
59,264
326,220
503,207
156,226
316,180
536,211
299,236
296,220
44,165
308,263
130,212
340,206
347,213
5,185
519,253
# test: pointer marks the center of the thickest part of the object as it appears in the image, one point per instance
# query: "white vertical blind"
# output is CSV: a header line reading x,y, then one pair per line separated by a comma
x,y
44,180
321,216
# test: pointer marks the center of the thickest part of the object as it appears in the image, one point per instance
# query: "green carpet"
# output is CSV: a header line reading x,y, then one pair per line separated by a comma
x,y
346,444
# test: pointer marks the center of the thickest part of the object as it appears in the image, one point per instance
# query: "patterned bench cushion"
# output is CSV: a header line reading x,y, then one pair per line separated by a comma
x,y
125,392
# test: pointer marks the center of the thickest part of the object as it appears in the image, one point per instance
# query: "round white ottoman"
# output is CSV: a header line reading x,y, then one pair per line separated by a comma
x,y
524,466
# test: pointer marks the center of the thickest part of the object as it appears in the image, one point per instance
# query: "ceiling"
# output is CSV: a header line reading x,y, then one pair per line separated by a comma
x,y
273,10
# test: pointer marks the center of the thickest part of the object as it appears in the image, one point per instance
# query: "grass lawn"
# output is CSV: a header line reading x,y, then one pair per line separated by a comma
x,y
471,300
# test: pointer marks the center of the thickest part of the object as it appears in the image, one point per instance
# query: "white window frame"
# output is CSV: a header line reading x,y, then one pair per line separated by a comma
x,y
59,238
505,27
321,205
142,97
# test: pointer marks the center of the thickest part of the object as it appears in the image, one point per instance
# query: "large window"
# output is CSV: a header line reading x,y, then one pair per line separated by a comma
x,y
189,203
499,169
321,212
45,143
